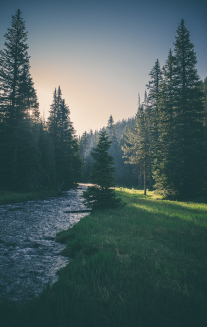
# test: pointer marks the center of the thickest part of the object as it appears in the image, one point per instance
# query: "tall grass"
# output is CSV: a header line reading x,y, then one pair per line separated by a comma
x,y
141,265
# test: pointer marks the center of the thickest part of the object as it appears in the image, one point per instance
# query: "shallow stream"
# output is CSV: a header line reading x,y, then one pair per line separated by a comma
x,y
29,255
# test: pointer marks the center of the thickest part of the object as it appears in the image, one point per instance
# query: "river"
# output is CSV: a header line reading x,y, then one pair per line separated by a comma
x,y
29,255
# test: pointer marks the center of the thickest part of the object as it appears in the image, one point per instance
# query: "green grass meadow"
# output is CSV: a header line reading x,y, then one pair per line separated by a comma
x,y
144,264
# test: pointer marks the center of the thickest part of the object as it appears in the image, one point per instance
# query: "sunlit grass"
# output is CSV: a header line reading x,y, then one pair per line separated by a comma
x,y
144,264
196,212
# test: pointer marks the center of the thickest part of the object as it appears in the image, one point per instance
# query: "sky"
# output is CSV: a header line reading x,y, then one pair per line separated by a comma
x,y
100,53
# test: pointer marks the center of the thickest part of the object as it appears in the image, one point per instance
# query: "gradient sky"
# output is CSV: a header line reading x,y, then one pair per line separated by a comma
x,y
101,52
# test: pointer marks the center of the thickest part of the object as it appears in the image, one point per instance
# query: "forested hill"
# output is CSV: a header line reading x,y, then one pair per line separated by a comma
x,y
124,174
120,126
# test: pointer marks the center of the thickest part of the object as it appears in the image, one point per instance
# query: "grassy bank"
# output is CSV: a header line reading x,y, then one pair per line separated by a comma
x,y
141,265
14,197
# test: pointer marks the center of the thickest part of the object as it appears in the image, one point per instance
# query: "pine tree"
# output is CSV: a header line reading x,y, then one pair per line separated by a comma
x,y
180,167
144,146
86,143
153,98
189,117
17,94
115,150
101,195
112,135
84,154
47,156
137,143
110,127
204,89
204,84
67,159
166,148
19,112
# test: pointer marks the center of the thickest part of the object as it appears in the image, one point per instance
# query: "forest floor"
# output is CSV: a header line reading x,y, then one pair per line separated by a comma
x,y
144,264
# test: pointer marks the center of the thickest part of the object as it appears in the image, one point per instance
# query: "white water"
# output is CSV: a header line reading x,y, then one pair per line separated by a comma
x,y
29,255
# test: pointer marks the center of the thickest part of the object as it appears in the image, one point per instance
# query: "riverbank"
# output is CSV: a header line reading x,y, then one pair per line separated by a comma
x,y
141,265
15,197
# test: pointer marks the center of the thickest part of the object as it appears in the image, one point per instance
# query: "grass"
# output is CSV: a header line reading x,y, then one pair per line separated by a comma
x,y
14,197
141,265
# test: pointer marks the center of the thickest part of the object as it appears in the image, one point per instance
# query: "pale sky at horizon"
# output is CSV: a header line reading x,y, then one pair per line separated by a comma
x,y
101,52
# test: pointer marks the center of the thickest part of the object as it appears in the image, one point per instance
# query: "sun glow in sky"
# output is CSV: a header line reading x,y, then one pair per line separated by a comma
x,y
101,52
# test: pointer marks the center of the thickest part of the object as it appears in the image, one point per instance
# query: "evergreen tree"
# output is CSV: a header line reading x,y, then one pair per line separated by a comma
x,y
112,135
47,156
17,94
115,150
153,99
67,159
121,125
182,140
53,116
189,118
124,174
131,174
166,147
205,92
83,151
86,143
101,195
19,112
204,89
110,127
137,143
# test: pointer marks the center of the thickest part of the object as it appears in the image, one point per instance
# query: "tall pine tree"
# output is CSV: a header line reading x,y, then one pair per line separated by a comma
x,y
19,111
67,159
166,147
137,147
115,150
153,98
189,118
17,94
181,158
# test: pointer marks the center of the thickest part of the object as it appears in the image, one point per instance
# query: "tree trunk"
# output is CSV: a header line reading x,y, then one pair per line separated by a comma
x,y
144,179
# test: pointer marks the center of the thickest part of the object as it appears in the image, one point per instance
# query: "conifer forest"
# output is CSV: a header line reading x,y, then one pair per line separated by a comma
x,y
164,146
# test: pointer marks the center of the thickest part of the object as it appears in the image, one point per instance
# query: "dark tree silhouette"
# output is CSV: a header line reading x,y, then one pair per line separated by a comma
x,y
180,172
19,112
137,143
17,96
66,157
102,194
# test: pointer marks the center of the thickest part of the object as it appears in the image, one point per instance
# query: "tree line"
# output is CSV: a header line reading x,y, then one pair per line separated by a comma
x,y
165,144
34,154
